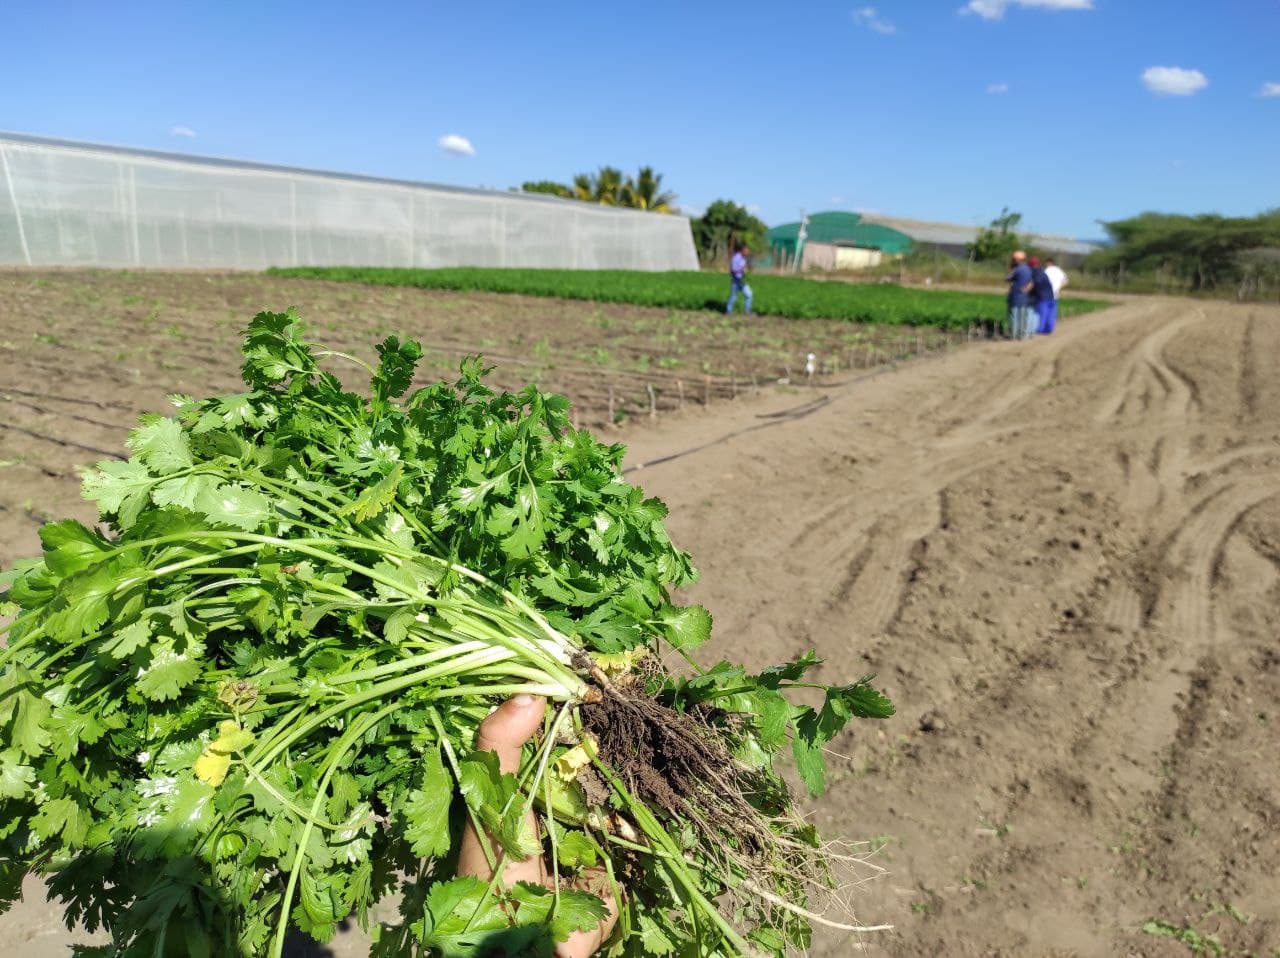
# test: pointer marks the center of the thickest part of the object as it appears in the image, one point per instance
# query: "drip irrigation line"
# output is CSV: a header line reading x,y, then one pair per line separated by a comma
x,y
783,416
61,442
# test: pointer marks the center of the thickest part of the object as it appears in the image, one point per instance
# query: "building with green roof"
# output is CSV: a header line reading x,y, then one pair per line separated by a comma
x,y
836,241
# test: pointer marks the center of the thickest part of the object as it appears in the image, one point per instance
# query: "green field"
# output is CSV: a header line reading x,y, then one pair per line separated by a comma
x,y
788,296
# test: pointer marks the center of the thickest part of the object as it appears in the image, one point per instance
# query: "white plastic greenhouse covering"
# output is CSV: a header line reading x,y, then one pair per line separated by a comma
x,y
77,204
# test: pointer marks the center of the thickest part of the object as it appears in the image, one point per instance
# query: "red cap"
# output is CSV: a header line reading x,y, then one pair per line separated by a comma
x,y
1035,261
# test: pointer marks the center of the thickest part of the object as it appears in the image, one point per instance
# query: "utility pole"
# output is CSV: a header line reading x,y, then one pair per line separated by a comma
x,y
800,238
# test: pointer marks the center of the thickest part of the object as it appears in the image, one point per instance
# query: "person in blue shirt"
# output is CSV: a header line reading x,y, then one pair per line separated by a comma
x,y
738,278
1020,287
1042,297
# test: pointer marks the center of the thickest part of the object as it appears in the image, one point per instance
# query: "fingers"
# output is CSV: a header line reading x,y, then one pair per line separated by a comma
x,y
504,732
508,727
583,944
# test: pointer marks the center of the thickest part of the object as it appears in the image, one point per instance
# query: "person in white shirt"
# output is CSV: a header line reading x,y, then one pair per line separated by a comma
x,y
1057,279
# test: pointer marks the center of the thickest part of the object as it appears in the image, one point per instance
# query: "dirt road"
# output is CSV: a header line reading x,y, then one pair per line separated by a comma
x,y
1062,558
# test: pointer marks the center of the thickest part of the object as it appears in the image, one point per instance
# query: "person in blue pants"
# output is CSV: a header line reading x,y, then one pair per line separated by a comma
x,y
738,278
1045,302
1020,287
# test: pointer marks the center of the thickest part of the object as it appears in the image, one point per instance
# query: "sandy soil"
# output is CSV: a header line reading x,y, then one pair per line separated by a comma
x,y
1061,557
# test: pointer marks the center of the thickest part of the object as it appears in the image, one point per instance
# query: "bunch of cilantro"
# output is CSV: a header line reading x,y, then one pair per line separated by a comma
x,y
246,707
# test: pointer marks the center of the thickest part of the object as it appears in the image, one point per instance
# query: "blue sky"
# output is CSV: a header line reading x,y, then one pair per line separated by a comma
x,y
939,110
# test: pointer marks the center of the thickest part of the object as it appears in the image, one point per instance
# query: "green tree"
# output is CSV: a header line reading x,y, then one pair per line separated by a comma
x,y
723,224
605,186
998,240
645,192
546,186
1205,251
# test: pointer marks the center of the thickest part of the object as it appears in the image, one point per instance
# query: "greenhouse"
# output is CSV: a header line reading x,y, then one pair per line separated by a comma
x,y
79,204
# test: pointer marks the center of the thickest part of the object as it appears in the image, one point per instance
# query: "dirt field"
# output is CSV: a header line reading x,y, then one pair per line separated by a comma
x,y
1062,558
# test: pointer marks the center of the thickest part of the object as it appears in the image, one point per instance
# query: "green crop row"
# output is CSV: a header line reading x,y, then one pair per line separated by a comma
x,y
788,296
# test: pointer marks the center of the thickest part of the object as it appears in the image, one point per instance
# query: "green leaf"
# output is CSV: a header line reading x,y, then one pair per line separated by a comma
x,y
161,444
29,733
495,798
576,849
772,712
427,810
188,815
374,499
118,487
15,777
86,598
234,506
653,939
793,671
184,491
125,641
344,795
459,918
169,671
69,547
62,816
810,763
395,367
577,911
860,700
320,907
686,628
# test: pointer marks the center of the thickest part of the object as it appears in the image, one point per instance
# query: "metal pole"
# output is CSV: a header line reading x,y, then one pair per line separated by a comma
x,y
801,235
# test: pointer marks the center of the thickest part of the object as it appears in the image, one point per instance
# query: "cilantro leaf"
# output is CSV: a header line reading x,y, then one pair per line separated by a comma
x,y
686,628
234,506
460,917
395,367
119,487
161,443
427,810
169,671
15,777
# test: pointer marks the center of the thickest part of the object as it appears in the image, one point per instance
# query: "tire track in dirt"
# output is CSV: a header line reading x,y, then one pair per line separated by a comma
x,y
1195,549
1249,369
1147,375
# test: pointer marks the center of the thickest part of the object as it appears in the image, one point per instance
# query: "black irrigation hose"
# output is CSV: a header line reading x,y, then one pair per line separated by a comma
x,y
61,442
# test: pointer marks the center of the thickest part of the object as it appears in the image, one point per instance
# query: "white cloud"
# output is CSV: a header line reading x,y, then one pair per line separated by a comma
x,y
186,131
1270,89
1173,81
994,9
870,18
753,209
457,145
996,88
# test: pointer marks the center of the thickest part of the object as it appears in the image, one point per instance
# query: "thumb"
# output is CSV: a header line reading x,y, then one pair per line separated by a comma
x,y
508,727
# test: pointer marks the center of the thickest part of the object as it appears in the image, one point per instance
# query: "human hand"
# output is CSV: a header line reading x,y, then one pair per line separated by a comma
x,y
504,732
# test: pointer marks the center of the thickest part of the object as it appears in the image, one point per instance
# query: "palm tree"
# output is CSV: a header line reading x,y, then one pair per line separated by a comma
x,y
609,186
584,188
645,192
